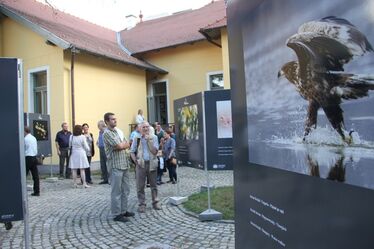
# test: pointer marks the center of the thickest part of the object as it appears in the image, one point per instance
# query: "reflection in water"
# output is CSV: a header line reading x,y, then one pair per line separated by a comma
x,y
336,170
321,156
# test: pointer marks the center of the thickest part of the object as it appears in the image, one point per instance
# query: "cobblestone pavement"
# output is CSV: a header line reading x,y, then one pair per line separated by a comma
x,y
64,217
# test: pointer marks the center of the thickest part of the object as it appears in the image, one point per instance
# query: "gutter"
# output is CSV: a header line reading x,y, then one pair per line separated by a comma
x,y
49,36
36,28
209,38
120,43
124,49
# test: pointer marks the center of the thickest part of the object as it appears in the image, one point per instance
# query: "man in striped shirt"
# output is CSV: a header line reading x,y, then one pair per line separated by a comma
x,y
115,145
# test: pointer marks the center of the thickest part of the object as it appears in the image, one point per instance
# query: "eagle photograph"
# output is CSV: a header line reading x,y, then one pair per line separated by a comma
x,y
323,47
310,87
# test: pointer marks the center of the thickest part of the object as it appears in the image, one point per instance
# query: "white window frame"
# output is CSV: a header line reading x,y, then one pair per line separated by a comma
x,y
208,86
167,93
31,106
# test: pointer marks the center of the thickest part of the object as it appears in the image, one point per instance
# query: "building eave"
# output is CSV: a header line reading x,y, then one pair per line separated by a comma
x,y
139,53
49,36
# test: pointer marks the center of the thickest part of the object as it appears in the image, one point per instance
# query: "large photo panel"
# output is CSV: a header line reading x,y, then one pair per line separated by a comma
x,y
218,129
12,166
189,128
309,73
291,155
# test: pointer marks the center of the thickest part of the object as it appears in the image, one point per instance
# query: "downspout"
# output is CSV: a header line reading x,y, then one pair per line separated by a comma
x,y
72,85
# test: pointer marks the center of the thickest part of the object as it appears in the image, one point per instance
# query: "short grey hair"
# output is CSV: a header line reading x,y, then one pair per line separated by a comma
x,y
101,122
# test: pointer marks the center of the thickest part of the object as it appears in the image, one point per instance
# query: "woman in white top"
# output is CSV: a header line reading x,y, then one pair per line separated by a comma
x,y
139,118
78,157
91,152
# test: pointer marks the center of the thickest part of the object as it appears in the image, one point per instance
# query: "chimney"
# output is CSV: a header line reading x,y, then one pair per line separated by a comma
x,y
130,21
140,17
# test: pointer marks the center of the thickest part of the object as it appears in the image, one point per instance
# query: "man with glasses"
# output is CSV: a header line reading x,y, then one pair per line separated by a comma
x,y
115,145
145,157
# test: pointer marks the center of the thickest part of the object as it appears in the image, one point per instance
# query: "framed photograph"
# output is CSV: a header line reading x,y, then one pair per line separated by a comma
x,y
302,81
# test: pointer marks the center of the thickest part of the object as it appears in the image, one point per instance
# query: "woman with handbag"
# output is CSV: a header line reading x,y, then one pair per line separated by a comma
x,y
169,156
91,152
78,158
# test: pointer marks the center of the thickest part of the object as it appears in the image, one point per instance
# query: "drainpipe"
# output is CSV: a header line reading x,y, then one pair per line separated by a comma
x,y
73,51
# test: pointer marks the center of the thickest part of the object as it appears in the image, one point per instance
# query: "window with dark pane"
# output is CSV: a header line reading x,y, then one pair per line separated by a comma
x,y
40,94
216,81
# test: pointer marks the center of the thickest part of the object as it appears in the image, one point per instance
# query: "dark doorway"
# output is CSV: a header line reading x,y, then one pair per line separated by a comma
x,y
158,103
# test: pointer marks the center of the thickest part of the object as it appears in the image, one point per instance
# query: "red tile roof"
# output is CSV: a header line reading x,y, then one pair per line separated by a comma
x,y
176,29
217,24
213,30
79,33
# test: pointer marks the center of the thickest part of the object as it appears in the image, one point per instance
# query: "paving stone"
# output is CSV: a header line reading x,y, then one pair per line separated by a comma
x,y
67,217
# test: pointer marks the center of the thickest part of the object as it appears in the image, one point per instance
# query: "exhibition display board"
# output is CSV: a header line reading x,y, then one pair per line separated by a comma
x,y
12,166
303,82
218,129
40,127
191,126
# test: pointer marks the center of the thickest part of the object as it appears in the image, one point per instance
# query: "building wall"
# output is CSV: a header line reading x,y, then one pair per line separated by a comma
x,y
100,86
188,66
225,58
20,42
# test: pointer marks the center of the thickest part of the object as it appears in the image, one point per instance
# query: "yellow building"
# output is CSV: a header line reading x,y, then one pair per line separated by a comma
x,y
191,46
75,71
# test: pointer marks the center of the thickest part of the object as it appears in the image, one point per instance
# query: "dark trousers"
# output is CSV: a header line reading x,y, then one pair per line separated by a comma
x,y
104,169
172,170
64,158
160,172
32,165
88,170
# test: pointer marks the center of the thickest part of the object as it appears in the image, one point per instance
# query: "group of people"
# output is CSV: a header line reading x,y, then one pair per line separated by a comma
x,y
166,153
151,150
144,146
75,150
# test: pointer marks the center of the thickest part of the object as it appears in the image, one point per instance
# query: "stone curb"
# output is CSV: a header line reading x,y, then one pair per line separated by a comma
x,y
194,215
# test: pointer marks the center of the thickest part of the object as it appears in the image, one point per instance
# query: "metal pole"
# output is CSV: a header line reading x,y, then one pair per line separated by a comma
x,y
26,221
178,181
50,165
208,182
22,156
205,153
73,51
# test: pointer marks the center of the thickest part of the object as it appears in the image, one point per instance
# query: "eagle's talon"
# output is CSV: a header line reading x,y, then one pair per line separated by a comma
x,y
349,139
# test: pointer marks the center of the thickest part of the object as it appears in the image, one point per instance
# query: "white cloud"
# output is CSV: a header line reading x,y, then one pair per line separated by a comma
x,y
112,13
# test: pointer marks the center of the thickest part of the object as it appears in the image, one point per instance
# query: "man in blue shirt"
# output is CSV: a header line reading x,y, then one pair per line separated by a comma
x,y
62,147
135,133
100,143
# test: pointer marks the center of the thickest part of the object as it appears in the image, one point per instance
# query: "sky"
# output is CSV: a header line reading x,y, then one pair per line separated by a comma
x,y
112,13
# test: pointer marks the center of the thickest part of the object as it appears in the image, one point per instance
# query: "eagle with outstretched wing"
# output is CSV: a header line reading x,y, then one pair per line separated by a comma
x,y
322,48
